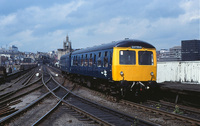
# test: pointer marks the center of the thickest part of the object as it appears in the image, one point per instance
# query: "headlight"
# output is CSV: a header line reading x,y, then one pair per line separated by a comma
x,y
121,73
151,73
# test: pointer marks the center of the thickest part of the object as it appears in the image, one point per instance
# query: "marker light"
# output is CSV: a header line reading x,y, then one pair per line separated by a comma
x,y
151,73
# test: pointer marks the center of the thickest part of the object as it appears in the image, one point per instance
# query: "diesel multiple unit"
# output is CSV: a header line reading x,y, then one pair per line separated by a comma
x,y
129,65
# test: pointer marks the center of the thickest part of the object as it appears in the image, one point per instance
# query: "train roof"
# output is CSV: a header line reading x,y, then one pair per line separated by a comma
x,y
122,43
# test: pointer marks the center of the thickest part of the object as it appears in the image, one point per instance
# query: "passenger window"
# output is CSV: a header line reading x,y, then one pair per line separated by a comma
x,y
99,60
82,60
90,60
73,61
94,59
76,63
105,59
86,60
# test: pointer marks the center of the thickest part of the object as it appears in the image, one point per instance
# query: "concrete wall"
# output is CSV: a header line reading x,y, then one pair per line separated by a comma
x,y
183,71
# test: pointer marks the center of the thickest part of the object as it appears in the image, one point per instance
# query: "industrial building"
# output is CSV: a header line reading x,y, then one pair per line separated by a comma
x,y
190,50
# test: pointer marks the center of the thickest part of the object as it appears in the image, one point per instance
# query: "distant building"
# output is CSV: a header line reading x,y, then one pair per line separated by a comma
x,y
66,48
173,54
190,50
13,49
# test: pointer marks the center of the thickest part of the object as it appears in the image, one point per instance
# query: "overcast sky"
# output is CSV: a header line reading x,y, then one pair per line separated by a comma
x,y
43,25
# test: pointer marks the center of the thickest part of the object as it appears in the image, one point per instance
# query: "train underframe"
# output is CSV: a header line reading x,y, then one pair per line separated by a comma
x,y
122,89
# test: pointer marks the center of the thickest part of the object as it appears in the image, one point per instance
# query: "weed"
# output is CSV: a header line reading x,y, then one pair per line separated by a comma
x,y
158,106
177,110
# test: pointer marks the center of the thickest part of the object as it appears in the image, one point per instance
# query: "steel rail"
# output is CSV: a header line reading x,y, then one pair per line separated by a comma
x,y
172,105
27,74
12,92
175,116
50,111
108,109
100,121
25,80
10,99
26,107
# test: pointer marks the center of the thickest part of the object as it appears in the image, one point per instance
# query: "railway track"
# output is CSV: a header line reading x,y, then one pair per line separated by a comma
x,y
9,98
23,80
190,116
156,109
169,115
9,118
98,113
175,108
84,110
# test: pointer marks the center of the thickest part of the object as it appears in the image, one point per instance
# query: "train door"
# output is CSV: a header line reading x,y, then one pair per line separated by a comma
x,y
109,71
95,68
81,65
86,65
99,65
105,64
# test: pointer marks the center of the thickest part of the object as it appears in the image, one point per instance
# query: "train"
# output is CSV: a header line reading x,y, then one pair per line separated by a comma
x,y
125,66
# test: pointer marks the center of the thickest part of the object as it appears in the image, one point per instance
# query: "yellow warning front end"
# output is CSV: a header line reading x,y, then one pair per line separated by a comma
x,y
134,64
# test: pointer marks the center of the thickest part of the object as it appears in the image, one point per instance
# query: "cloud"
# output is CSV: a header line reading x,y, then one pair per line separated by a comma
x,y
43,26
35,25
7,20
163,9
192,11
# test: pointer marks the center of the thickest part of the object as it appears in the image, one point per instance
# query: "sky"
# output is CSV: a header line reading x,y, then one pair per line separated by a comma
x,y
34,25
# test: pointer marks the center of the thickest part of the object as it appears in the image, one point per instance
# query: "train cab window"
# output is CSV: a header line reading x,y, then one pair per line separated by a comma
x,y
90,60
86,60
145,57
99,60
82,60
127,57
105,59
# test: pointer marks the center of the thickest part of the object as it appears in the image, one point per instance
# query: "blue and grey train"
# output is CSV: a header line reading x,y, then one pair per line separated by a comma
x,y
123,64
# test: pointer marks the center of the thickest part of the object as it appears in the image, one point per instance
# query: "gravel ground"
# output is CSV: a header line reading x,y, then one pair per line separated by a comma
x,y
27,99
60,117
29,117
102,99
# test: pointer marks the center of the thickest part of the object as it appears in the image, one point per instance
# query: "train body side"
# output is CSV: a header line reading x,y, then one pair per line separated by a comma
x,y
96,64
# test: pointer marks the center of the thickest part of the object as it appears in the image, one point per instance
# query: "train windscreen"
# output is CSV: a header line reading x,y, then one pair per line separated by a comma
x,y
127,57
145,57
